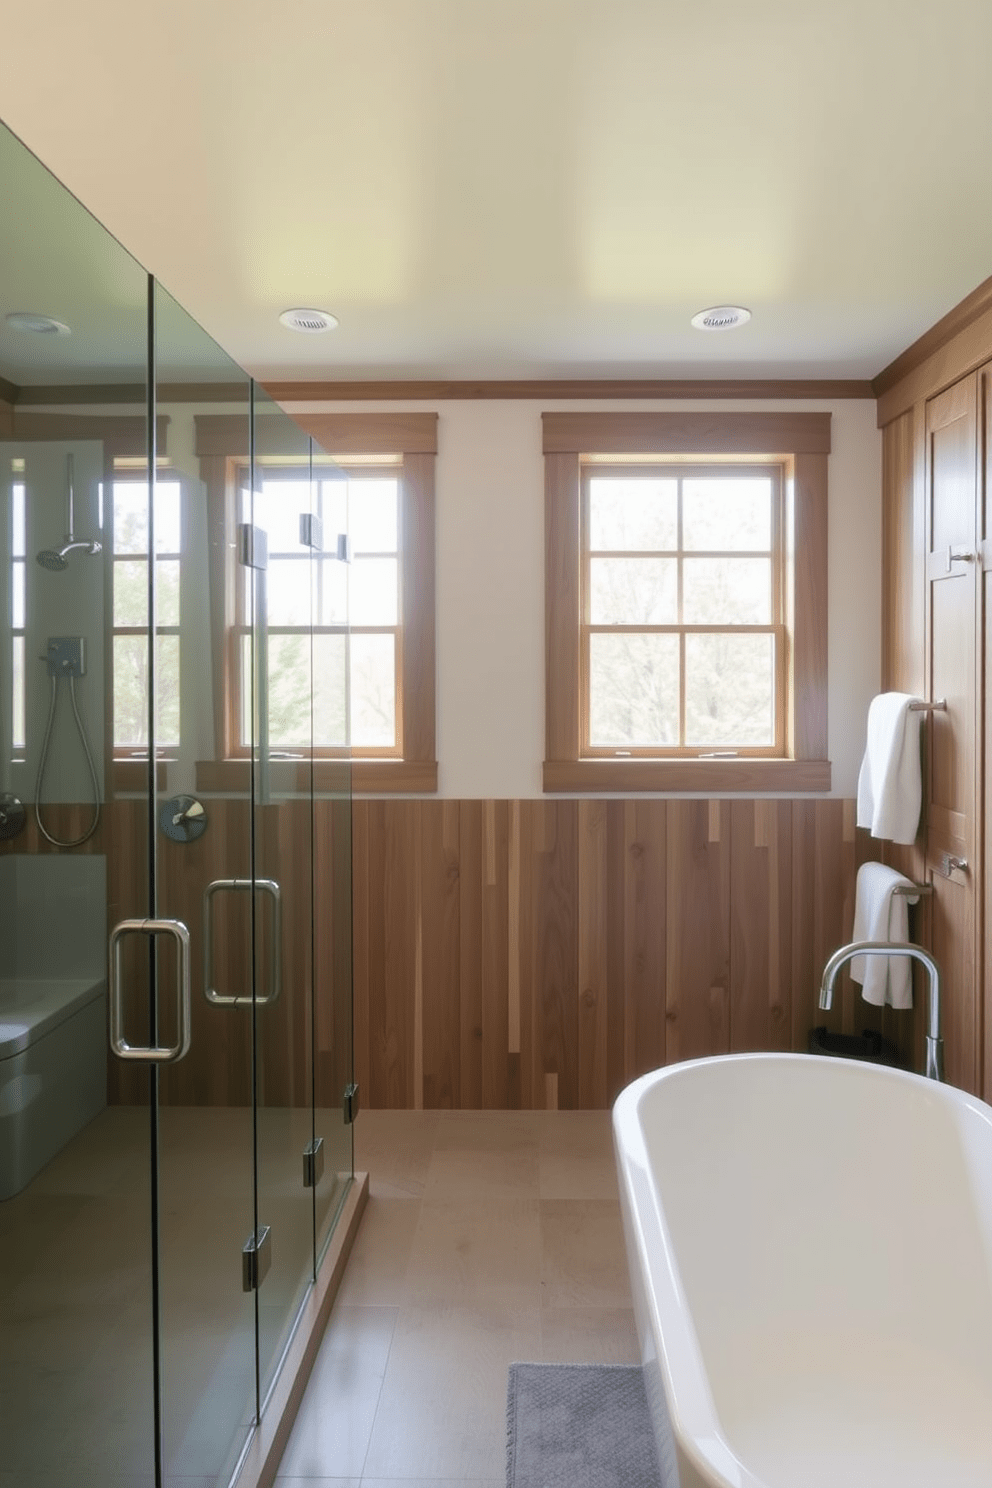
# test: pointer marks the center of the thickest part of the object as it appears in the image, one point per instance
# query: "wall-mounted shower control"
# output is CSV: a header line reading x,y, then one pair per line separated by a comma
x,y
66,656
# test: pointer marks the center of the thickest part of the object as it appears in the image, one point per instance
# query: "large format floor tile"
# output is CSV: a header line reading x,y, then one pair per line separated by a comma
x,y
489,1237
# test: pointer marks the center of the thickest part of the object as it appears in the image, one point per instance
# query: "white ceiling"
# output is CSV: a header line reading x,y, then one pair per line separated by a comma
x,y
529,188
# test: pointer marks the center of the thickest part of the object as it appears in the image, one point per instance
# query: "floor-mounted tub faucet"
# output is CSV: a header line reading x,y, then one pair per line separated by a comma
x,y
935,1044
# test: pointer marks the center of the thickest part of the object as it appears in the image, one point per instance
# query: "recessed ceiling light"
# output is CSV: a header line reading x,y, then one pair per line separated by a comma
x,y
721,318
310,322
41,325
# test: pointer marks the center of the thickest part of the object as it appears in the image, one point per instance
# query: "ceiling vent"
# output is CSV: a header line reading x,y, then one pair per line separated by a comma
x,y
721,318
309,322
41,325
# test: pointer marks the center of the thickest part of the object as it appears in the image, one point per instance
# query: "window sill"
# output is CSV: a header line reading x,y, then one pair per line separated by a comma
x,y
330,776
743,775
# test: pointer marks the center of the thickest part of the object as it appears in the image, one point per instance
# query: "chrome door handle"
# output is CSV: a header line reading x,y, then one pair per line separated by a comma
x,y
153,1053
241,885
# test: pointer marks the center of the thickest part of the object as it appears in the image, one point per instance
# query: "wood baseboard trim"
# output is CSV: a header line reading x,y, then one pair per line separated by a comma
x,y
261,1463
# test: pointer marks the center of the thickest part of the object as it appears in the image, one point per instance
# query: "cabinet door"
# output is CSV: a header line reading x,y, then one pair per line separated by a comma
x,y
953,787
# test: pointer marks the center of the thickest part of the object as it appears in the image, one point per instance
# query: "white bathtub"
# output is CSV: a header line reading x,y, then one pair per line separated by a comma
x,y
810,1247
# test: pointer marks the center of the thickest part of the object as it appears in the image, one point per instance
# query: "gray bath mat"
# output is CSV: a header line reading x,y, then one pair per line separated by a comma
x,y
578,1426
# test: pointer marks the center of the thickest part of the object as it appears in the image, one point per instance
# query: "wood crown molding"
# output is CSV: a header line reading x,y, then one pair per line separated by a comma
x,y
592,388
336,434
970,309
686,433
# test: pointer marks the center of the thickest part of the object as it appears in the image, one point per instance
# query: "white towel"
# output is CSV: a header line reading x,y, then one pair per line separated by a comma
x,y
890,788
881,914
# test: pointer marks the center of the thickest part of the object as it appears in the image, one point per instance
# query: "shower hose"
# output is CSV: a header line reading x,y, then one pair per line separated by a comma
x,y
74,841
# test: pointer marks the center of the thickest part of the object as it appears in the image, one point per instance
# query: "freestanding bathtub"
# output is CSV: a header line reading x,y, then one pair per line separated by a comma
x,y
810,1248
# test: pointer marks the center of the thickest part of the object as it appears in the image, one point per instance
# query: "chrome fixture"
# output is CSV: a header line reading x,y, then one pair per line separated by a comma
x,y
150,1053
910,891
12,816
935,1044
940,706
242,885
66,658
56,560
182,818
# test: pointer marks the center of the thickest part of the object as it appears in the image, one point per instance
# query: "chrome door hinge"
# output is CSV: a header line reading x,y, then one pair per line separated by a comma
x,y
344,547
253,546
313,1162
256,1258
311,531
350,1103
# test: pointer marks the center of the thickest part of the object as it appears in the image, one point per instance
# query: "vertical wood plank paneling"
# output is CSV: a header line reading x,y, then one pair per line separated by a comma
x,y
554,1022
496,955
645,935
441,952
697,925
473,875
698,940
760,895
593,931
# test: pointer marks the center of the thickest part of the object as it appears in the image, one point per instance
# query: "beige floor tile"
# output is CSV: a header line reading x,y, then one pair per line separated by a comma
x,y
572,1175
475,1248
434,1482
491,1172
584,1261
478,1131
319,1482
589,1335
377,1267
442,1413
334,1423
394,1148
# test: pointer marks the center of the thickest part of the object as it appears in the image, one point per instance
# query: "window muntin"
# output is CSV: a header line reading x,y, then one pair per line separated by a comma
x,y
683,644
129,581
356,611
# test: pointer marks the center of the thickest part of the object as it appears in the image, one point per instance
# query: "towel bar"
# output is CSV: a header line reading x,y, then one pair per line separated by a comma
x,y
940,704
912,891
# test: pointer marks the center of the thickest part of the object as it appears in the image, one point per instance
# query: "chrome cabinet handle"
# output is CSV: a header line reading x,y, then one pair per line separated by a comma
x,y
153,1053
242,885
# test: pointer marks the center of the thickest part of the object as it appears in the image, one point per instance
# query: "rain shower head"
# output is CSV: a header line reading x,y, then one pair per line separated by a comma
x,y
56,560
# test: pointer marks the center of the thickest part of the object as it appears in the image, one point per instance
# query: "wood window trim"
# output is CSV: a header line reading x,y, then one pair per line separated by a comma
x,y
221,441
803,441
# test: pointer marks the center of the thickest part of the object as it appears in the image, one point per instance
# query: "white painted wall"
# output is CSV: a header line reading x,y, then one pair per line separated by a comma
x,y
490,584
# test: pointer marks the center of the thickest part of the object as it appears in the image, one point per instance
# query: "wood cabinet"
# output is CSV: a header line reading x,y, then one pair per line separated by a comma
x,y
937,639
956,656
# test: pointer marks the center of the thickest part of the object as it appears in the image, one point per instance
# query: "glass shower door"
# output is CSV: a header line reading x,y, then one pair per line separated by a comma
x,y
203,877
77,1383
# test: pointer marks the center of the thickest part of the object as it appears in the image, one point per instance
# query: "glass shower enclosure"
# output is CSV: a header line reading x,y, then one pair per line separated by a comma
x,y
175,897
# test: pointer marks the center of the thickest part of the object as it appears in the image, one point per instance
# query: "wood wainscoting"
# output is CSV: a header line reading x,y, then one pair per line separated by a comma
x,y
526,953
542,953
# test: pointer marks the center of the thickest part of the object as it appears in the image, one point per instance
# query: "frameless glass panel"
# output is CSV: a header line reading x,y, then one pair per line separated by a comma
x,y
289,590
727,591
77,1392
131,592
630,512
727,513
633,691
206,1180
331,808
130,526
373,597
373,506
18,739
730,690
373,691
17,595
331,578
283,841
633,591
